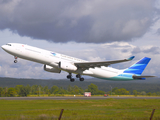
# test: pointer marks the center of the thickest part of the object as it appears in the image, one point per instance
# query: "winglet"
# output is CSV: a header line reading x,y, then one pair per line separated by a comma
x,y
131,58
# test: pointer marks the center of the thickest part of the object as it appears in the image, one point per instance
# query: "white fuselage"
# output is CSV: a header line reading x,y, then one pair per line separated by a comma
x,y
52,59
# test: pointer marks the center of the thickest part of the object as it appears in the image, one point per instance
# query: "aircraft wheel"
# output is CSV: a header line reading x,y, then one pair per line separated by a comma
x,y
15,61
78,76
69,76
72,79
81,79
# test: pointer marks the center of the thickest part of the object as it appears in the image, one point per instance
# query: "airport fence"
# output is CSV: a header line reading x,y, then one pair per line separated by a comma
x,y
81,114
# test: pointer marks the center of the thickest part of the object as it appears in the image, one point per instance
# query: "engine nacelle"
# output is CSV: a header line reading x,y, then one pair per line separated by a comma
x,y
67,66
51,69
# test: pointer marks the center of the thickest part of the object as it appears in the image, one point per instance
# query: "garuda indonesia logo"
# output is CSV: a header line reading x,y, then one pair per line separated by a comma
x,y
53,54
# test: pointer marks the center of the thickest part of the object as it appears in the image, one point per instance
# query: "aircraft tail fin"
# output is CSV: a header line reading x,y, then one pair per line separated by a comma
x,y
138,67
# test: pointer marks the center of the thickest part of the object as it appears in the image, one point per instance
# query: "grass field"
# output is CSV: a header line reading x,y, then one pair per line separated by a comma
x,y
108,109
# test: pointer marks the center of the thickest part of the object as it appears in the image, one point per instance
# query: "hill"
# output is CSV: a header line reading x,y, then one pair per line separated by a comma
x,y
149,85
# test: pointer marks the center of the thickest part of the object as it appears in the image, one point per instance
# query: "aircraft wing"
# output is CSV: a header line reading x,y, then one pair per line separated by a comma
x,y
87,65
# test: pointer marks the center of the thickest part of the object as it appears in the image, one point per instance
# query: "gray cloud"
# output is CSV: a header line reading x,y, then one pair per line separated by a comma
x,y
153,50
158,31
81,21
136,50
124,50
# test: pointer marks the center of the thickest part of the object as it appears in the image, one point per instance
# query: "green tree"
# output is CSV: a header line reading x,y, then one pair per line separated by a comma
x,y
135,92
121,91
76,89
1,90
154,94
21,90
62,91
54,90
46,90
81,91
28,89
100,92
69,89
93,89
114,89
40,90
124,91
143,93
11,92
158,93
4,92
149,94
35,89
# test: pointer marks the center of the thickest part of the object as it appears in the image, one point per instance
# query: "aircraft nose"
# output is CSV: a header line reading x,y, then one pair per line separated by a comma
x,y
3,47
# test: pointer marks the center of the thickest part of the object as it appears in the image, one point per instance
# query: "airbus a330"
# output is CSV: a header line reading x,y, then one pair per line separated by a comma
x,y
55,62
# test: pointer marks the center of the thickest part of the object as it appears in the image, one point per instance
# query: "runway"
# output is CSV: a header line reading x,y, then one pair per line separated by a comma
x,y
73,98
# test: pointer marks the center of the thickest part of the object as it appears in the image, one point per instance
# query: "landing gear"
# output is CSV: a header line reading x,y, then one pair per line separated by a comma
x,y
80,78
70,77
77,76
15,61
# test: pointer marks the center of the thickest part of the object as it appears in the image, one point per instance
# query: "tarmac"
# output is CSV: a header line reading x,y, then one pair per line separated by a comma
x,y
73,98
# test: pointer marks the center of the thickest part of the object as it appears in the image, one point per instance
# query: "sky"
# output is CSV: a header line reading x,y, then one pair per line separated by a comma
x,y
93,30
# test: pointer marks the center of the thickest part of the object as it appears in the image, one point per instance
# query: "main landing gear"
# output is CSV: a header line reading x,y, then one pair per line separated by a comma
x,y
15,61
70,77
80,78
77,76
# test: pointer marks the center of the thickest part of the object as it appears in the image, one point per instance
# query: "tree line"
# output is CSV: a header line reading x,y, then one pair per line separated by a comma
x,y
151,85
21,90
122,91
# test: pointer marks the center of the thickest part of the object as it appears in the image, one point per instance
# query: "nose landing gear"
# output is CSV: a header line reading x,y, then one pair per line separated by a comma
x,y
15,61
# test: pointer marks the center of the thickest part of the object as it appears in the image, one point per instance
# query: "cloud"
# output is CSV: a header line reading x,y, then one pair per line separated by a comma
x,y
158,31
153,50
80,21
136,50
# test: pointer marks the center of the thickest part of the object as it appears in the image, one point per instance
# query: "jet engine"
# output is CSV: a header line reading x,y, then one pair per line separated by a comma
x,y
51,69
67,66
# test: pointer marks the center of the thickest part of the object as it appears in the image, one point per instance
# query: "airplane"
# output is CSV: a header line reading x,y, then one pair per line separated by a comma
x,y
55,62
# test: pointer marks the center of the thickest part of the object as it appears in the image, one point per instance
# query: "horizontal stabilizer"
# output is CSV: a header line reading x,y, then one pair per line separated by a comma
x,y
141,77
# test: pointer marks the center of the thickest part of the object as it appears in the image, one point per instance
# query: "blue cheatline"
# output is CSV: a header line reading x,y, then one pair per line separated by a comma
x,y
53,54
139,67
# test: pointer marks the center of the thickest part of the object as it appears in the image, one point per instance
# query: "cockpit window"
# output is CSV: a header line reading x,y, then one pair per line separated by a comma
x,y
8,44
